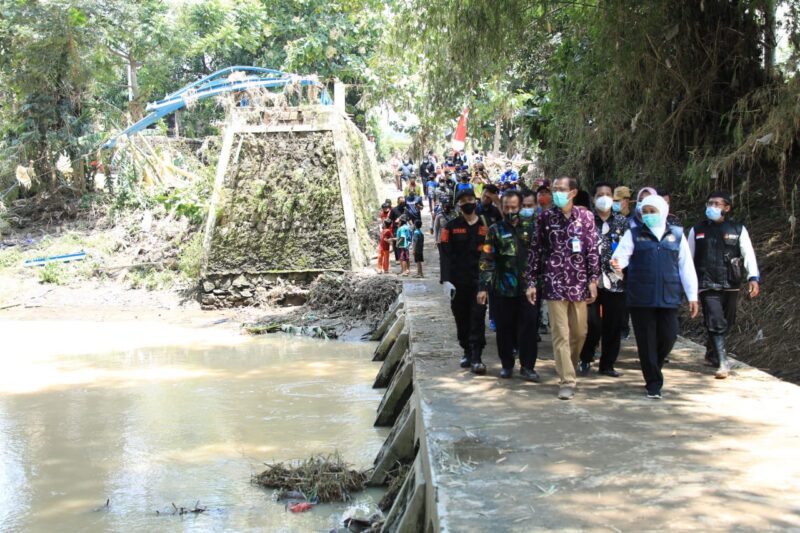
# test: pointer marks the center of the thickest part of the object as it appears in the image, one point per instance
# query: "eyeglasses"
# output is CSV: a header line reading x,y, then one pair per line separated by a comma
x,y
716,203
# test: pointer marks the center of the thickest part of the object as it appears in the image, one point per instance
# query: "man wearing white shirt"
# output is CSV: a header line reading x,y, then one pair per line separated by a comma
x,y
722,253
660,269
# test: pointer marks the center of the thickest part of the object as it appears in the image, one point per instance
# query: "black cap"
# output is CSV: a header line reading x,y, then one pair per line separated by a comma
x,y
465,192
721,194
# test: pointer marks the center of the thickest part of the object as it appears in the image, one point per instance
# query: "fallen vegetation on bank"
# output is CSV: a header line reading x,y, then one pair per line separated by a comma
x,y
336,303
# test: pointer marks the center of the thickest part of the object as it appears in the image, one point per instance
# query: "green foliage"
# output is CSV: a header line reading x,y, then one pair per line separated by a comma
x,y
673,93
190,257
151,279
51,273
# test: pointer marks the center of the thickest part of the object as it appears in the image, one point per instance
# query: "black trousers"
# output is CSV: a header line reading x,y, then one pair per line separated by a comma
x,y
719,310
605,323
517,323
656,331
470,317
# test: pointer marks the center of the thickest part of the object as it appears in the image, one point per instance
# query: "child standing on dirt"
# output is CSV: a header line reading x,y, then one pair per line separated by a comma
x,y
418,242
384,247
403,244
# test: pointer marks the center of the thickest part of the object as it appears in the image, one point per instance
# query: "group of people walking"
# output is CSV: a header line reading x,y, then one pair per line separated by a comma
x,y
516,250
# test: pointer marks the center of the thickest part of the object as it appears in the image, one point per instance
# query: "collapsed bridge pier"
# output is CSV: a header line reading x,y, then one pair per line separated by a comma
x,y
293,197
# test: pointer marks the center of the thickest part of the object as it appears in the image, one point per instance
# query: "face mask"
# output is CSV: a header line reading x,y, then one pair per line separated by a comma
x,y
560,198
468,208
527,212
512,217
603,203
713,213
617,207
639,208
651,220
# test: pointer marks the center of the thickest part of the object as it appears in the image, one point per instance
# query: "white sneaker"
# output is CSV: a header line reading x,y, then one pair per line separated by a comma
x,y
566,393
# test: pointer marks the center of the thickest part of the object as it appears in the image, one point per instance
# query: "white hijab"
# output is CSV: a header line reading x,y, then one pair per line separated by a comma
x,y
663,210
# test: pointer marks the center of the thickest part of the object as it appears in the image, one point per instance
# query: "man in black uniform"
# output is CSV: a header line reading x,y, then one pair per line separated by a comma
x,y
503,267
488,206
722,253
426,169
461,244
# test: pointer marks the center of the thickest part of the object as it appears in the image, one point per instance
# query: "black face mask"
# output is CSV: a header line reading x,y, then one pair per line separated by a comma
x,y
468,208
512,217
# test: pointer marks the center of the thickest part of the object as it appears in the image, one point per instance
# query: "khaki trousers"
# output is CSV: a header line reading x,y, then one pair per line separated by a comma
x,y
568,327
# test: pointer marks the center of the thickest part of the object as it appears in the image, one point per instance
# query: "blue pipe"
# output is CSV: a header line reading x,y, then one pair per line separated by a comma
x,y
211,86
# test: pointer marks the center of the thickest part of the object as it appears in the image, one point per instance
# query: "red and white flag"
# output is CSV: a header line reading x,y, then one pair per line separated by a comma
x,y
460,136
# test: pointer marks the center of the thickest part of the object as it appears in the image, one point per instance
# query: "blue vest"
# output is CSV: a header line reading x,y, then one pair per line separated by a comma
x,y
653,275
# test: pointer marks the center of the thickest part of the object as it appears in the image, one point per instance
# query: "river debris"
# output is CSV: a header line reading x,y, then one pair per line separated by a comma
x,y
317,332
103,507
300,507
180,511
395,479
361,517
321,478
337,303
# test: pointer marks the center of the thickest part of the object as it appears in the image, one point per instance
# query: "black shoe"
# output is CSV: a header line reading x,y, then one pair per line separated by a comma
x,y
666,360
466,361
478,368
506,373
583,368
610,373
529,374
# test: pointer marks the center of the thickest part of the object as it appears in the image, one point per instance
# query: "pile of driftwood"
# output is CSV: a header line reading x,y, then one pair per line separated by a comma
x,y
320,479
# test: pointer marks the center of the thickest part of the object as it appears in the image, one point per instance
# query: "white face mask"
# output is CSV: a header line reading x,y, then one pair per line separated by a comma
x,y
603,203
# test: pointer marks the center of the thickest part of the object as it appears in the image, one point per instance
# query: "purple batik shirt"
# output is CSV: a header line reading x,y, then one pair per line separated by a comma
x,y
564,254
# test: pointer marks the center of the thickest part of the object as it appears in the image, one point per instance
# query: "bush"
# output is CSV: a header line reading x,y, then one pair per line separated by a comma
x,y
51,273
190,257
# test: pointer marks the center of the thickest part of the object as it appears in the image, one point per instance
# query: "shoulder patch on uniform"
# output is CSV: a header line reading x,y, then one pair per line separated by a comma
x,y
483,230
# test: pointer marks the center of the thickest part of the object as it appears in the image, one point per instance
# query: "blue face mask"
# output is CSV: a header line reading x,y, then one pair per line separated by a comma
x,y
651,220
639,208
527,212
617,207
560,198
713,213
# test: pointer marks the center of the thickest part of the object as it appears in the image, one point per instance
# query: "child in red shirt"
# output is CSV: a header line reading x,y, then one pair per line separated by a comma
x,y
383,249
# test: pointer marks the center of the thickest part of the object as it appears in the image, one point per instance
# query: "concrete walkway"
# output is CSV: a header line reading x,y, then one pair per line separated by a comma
x,y
509,456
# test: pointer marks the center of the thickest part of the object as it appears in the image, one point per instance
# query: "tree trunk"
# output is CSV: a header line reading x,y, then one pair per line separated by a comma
x,y
498,131
134,100
770,41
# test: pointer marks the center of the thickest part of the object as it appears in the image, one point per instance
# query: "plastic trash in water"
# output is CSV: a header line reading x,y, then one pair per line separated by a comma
x,y
301,507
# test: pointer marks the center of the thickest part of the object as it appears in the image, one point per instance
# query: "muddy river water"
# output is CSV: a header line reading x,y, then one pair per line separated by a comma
x,y
144,415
